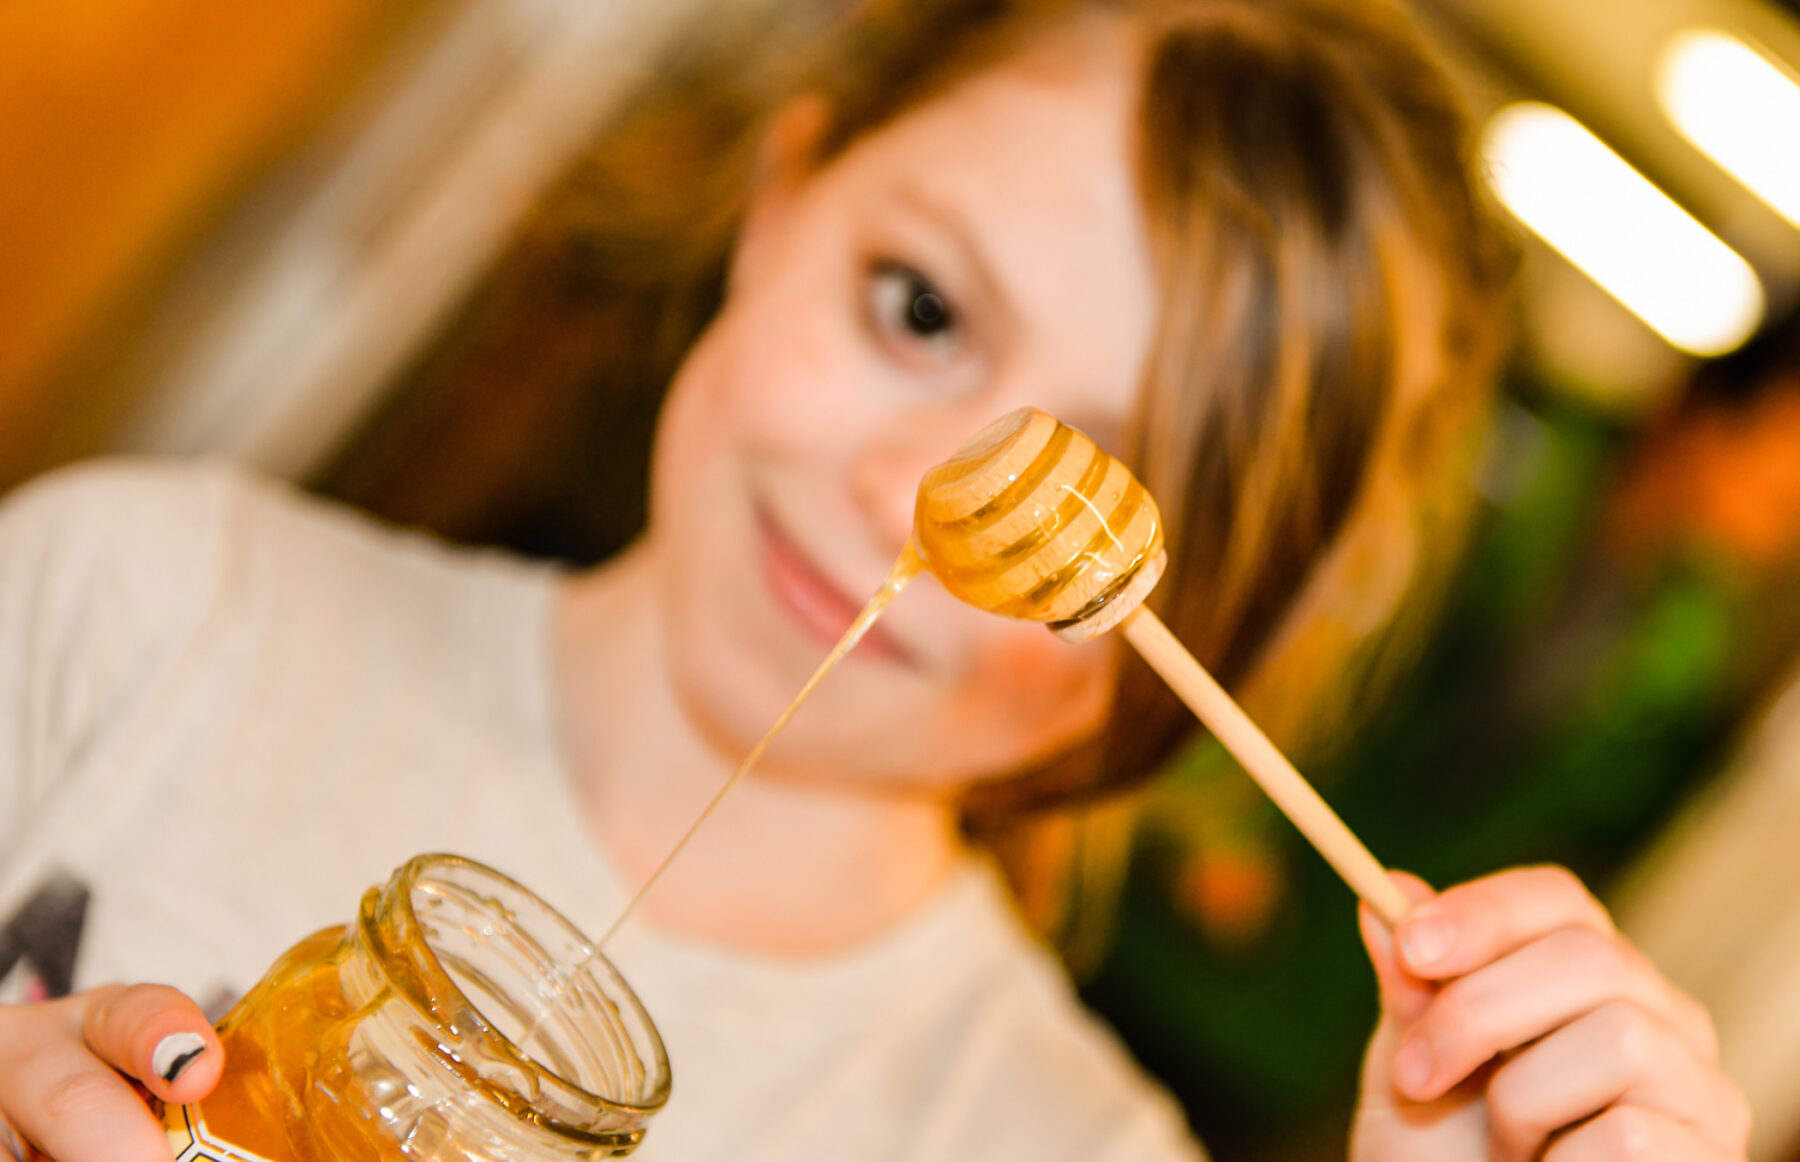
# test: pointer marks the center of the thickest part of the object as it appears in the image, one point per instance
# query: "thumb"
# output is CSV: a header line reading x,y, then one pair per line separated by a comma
x,y
1403,996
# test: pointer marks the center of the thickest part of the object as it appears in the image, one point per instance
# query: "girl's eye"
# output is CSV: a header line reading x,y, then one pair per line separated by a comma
x,y
907,306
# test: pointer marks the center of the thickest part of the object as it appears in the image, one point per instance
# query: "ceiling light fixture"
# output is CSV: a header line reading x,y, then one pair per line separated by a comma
x,y
1739,107
1620,230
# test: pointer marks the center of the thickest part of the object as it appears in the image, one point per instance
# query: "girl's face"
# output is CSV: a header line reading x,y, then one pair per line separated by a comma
x,y
984,251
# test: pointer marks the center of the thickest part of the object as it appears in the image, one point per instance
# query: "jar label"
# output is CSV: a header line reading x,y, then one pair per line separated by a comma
x,y
192,1141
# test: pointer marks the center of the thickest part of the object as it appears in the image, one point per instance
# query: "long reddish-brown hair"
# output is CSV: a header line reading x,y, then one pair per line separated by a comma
x,y
1328,332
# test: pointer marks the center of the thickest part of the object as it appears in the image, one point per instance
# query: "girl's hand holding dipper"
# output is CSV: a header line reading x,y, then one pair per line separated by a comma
x,y
1517,1024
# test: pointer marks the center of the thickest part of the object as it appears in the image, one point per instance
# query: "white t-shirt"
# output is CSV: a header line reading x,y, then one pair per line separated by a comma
x,y
227,710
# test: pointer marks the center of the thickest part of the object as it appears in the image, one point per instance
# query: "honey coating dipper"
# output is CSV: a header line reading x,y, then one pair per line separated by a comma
x,y
1031,519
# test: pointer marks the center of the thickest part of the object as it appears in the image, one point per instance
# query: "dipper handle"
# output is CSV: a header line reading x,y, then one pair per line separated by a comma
x,y
1264,763
1031,519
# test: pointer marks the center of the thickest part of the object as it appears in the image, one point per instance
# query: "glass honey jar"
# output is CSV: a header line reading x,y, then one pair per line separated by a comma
x,y
459,1019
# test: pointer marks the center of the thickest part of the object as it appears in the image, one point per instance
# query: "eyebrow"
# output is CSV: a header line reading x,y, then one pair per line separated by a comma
x,y
952,223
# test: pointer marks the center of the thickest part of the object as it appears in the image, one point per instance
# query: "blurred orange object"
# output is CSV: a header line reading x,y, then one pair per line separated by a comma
x,y
1725,476
126,127
1232,893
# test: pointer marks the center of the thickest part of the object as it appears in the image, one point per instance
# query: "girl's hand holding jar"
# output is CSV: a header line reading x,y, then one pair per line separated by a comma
x,y
67,1071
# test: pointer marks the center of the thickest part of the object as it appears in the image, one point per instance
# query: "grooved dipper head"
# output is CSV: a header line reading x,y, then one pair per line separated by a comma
x,y
1030,519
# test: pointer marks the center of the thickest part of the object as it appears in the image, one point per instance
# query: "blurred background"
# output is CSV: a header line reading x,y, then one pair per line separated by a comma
x,y
269,234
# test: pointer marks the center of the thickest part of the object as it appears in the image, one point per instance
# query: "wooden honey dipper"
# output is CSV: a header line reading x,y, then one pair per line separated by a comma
x,y
1031,519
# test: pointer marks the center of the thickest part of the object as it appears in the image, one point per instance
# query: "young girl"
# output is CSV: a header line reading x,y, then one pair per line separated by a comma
x,y
1235,241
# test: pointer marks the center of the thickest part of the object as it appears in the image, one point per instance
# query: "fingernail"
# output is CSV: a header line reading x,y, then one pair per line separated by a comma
x,y
175,1053
1412,1066
1426,940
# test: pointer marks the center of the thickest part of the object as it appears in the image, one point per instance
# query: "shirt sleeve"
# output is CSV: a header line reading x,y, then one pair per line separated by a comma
x,y
106,570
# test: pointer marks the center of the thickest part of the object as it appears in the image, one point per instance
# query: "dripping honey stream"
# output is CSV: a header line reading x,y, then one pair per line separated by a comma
x,y
906,567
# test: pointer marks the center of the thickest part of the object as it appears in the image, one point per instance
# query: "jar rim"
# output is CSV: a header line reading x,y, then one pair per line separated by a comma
x,y
428,983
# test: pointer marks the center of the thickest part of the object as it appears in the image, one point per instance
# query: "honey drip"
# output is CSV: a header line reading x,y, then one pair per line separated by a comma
x,y
906,567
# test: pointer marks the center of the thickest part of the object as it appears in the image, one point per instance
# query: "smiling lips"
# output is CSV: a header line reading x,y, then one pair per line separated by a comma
x,y
814,601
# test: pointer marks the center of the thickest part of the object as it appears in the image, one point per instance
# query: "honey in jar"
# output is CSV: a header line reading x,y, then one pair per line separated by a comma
x,y
459,1019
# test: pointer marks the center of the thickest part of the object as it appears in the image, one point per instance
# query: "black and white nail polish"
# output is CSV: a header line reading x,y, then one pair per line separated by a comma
x,y
175,1053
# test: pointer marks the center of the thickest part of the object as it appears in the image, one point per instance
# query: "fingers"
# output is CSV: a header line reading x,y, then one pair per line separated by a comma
x,y
1530,993
1617,1055
60,1083
1522,997
1475,926
1404,996
1514,998
1631,1133
156,1035
1472,924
